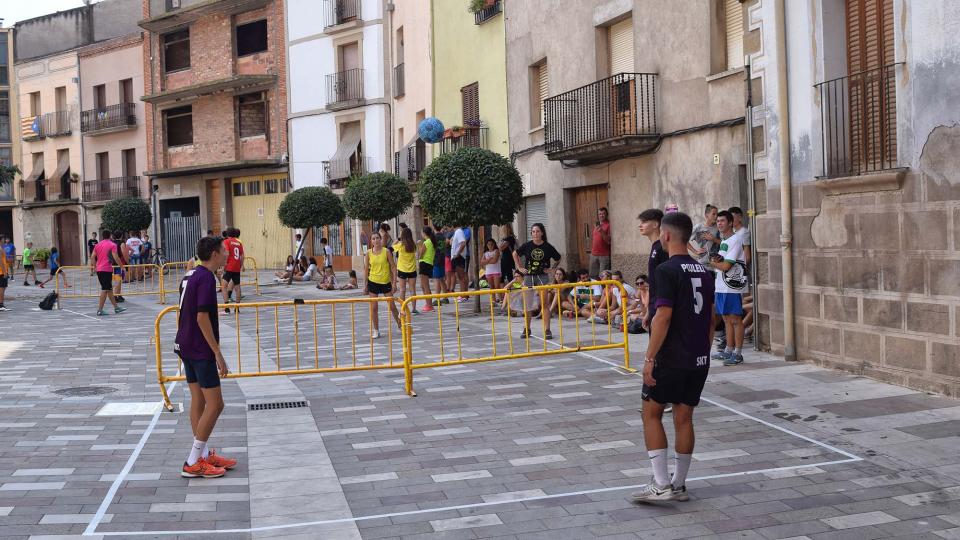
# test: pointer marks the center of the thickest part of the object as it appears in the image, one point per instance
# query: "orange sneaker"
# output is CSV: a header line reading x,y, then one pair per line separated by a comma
x,y
201,469
220,461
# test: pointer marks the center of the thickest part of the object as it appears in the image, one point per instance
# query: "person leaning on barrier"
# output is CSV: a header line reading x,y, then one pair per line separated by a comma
x,y
536,255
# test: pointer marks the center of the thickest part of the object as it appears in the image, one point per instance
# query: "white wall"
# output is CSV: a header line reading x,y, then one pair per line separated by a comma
x,y
309,63
373,70
313,139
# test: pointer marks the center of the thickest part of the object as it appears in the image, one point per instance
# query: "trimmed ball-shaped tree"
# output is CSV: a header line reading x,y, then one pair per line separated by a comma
x,y
471,186
310,207
377,196
127,214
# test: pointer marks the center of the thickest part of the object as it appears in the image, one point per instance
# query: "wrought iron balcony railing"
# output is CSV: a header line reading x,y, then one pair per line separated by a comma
x,y
465,137
44,190
56,123
586,123
345,87
488,12
859,123
338,172
111,117
107,189
342,11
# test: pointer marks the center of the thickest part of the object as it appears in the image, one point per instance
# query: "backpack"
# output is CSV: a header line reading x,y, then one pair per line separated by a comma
x,y
48,301
636,327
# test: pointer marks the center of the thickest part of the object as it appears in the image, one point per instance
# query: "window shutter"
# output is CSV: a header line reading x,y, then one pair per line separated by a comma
x,y
620,44
470,96
733,13
536,211
544,84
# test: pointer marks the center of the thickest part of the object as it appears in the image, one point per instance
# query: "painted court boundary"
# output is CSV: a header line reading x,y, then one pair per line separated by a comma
x,y
108,499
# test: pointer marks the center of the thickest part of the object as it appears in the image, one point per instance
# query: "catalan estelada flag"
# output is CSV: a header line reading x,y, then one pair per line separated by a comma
x,y
30,127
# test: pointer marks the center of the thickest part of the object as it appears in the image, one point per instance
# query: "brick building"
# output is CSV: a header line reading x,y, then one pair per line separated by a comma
x,y
216,112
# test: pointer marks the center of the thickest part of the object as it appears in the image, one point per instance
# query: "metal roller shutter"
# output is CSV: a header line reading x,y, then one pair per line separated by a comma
x,y
733,13
536,212
620,44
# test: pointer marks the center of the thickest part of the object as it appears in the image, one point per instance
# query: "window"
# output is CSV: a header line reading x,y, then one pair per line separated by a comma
x,y
733,18
470,98
539,92
179,124
99,96
6,155
60,95
176,50
239,189
271,186
103,165
284,185
129,159
4,76
5,116
251,37
620,46
252,111
253,188
34,103
126,91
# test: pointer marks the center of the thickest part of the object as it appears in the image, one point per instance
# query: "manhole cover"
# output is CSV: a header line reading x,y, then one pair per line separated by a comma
x,y
85,391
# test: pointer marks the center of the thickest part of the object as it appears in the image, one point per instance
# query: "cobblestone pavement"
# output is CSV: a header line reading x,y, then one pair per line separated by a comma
x,y
544,447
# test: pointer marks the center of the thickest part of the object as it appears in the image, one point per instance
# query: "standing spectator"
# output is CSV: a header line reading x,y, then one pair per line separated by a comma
x,y
467,233
537,254
705,241
458,260
298,238
135,244
120,271
4,278
490,260
91,243
508,243
426,249
28,265
198,346
233,266
385,236
731,282
102,261
739,227
600,247
451,275
406,253
440,260
327,253
650,227
381,274
146,250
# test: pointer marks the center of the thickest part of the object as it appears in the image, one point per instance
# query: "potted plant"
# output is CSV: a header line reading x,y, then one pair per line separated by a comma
x,y
477,5
40,257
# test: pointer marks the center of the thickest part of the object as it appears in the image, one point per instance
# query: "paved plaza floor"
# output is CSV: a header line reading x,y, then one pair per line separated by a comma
x,y
534,448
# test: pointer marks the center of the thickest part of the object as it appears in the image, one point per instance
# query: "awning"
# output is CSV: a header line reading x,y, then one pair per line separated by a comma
x,y
340,161
63,165
36,173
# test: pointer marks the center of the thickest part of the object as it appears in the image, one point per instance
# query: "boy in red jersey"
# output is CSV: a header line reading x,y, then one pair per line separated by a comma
x,y
231,271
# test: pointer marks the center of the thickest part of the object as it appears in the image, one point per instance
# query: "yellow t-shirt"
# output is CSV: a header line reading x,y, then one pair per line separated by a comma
x,y
406,260
379,271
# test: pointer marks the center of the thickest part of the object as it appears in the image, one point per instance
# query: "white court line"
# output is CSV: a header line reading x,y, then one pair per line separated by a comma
x,y
460,506
81,314
850,458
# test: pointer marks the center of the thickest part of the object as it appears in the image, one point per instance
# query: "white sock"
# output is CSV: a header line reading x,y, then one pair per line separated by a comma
x,y
206,451
728,350
658,458
737,351
195,451
681,464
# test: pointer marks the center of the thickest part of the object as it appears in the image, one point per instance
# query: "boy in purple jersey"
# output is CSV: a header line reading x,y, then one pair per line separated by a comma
x,y
198,346
677,359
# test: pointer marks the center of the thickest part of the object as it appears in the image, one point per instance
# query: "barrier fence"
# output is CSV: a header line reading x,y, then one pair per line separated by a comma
x,y
297,337
134,280
569,336
302,337
173,273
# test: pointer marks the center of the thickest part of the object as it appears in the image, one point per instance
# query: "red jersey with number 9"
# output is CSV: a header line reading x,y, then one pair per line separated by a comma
x,y
234,254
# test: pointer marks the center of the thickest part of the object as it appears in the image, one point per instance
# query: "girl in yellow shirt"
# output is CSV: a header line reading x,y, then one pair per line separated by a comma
x,y
406,252
381,273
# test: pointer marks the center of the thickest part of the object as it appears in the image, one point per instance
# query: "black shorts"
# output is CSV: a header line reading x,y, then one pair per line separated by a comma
x,y
379,288
406,275
231,276
3,282
425,269
459,262
203,372
676,386
28,267
106,280
53,271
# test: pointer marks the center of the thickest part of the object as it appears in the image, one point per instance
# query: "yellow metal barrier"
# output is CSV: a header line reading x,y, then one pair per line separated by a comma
x,y
593,341
173,273
134,280
288,340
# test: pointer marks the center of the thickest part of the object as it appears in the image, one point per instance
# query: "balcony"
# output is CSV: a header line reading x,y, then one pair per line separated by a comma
x,y
339,171
107,189
489,11
34,128
39,192
179,13
111,118
345,89
607,120
463,137
410,162
399,88
859,123
235,84
339,12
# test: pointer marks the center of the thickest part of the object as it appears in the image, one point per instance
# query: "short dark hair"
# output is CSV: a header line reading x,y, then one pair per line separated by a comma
x,y
236,232
323,240
641,276
617,273
209,232
604,208
353,273
583,271
725,214
709,208
651,214
679,223
207,246
105,234
735,210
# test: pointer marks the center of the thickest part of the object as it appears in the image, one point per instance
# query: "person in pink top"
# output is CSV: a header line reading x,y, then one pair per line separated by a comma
x,y
102,261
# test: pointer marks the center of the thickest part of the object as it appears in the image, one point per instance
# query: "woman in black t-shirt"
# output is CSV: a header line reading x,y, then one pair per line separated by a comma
x,y
536,255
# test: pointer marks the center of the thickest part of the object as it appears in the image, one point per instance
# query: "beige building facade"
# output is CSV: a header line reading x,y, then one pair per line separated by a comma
x,y
111,122
630,106
10,218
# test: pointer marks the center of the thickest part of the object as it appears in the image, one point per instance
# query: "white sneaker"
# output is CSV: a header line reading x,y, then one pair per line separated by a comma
x,y
653,492
375,334
4,308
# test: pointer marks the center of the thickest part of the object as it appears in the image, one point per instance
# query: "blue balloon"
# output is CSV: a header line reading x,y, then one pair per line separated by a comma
x,y
430,130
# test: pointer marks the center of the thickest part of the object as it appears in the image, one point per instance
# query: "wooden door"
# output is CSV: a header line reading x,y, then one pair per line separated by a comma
x,y
68,238
255,214
586,203
871,84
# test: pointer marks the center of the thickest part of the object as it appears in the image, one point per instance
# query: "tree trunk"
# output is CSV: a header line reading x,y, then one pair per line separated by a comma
x,y
475,237
296,258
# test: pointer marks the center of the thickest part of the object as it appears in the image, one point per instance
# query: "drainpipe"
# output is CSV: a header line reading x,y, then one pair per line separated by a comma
x,y
786,184
83,207
751,197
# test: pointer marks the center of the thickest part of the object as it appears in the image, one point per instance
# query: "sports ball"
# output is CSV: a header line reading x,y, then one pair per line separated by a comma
x,y
430,130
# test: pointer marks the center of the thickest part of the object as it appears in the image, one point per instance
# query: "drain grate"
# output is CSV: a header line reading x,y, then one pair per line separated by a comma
x,y
277,405
85,391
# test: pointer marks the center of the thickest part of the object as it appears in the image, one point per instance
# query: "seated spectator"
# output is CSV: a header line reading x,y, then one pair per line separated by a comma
x,y
637,307
584,296
559,300
311,273
513,302
288,272
329,281
603,309
351,283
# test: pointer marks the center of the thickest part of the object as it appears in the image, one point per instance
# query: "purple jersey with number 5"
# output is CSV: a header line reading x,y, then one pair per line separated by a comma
x,y
686,286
